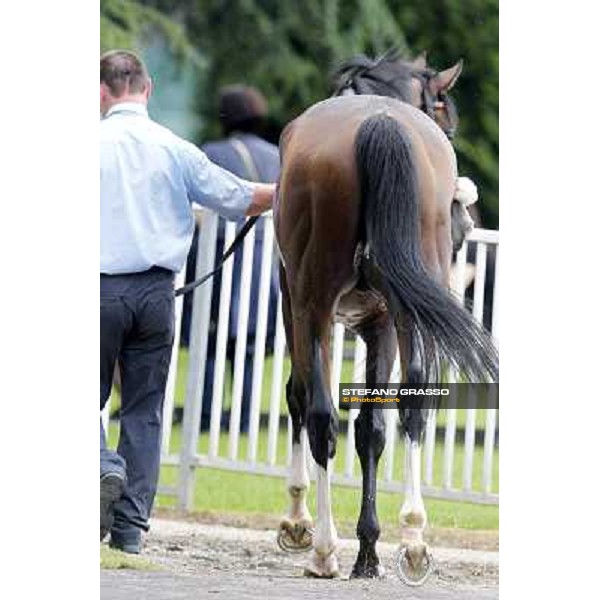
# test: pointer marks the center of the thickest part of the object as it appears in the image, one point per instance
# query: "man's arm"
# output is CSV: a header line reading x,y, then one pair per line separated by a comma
x,y
216,188
262,199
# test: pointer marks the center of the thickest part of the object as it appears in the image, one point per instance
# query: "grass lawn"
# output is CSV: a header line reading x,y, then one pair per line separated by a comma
x,y
114,559
224,491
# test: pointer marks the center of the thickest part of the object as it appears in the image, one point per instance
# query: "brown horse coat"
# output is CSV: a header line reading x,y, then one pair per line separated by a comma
x,y
317,226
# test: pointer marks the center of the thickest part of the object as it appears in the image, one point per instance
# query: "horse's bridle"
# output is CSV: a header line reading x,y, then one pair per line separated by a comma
x,y
429,103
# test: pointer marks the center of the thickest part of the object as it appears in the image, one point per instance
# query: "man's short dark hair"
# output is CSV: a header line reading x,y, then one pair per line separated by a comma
x,y
123,71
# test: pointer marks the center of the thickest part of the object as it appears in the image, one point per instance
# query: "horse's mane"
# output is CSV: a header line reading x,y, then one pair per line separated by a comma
x,y
386,75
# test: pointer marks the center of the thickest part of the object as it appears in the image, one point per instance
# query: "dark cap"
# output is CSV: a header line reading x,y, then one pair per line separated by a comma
x,y
240,104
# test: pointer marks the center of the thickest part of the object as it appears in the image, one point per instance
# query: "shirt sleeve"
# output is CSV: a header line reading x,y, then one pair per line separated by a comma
x,y
212,186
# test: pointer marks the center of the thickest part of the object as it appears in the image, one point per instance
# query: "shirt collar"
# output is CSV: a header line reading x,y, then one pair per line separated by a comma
x,y
127,107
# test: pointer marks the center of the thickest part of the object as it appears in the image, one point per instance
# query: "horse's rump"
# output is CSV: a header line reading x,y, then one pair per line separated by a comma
x,y
319,196
369,170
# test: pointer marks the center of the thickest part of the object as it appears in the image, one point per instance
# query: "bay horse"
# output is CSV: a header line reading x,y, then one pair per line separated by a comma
x,y
363,226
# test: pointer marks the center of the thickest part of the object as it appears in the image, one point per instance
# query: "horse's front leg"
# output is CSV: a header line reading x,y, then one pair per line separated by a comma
x,y
370,441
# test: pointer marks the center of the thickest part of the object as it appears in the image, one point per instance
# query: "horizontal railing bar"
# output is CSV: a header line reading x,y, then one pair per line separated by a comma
x,y
167,490
487,236
241,466
170,460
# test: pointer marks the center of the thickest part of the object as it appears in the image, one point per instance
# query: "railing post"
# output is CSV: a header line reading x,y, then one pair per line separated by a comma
x,y
490,423
105,416
167,417
450,433
276,385
260,337
358,376
197,359
221,346
391,426
239,360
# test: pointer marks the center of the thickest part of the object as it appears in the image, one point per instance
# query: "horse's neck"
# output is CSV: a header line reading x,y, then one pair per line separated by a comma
x,y
350,91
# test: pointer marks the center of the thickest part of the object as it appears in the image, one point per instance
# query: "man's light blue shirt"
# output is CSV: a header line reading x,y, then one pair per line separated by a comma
x,y
148,179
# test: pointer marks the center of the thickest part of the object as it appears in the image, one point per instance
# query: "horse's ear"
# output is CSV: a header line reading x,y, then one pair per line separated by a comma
x,y
420,62
445,80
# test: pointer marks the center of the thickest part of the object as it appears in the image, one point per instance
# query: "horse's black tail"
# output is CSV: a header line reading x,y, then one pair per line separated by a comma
x,y
391,213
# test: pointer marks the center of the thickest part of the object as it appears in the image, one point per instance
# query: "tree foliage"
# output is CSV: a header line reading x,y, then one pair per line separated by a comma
x,y
130,25
288,48
285,48
467,29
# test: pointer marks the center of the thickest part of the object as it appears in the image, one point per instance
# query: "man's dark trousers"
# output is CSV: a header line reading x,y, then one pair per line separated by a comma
x,y
137,323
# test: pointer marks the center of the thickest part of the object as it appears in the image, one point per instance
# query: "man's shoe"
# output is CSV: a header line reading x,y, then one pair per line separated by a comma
x,y
126,539
127,547
111,489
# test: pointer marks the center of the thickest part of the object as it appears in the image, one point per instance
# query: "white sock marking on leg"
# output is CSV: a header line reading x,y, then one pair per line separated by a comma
x,y
325,538
299,478
413,500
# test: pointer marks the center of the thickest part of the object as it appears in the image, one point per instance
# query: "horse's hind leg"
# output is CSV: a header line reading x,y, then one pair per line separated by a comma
x,y
370,441
295,529
322,428
312,328
413,517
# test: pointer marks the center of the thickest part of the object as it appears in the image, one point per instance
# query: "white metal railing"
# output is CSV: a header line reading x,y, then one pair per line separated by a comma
x,y
263,453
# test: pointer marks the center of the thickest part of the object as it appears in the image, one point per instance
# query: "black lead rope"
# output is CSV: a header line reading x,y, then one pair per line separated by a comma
x,y
236,242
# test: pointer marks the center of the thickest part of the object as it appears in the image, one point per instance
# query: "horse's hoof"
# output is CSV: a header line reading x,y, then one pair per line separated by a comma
x,y
367,572
295,537
414,565
323,567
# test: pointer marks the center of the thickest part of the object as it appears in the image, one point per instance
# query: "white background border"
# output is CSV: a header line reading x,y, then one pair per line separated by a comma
x,y
49,243
550,216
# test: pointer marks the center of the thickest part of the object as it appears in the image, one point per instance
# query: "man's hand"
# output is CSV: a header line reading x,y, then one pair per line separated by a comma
x,y
262,199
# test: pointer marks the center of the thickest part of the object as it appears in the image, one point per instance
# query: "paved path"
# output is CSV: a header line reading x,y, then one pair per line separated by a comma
x,y
212,561
128,585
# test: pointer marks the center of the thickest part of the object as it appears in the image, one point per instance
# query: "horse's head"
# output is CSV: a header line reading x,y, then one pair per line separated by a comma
x,y
410,81
430,94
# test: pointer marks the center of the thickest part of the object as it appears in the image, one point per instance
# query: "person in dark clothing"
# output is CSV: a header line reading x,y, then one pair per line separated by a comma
x,y
242,113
